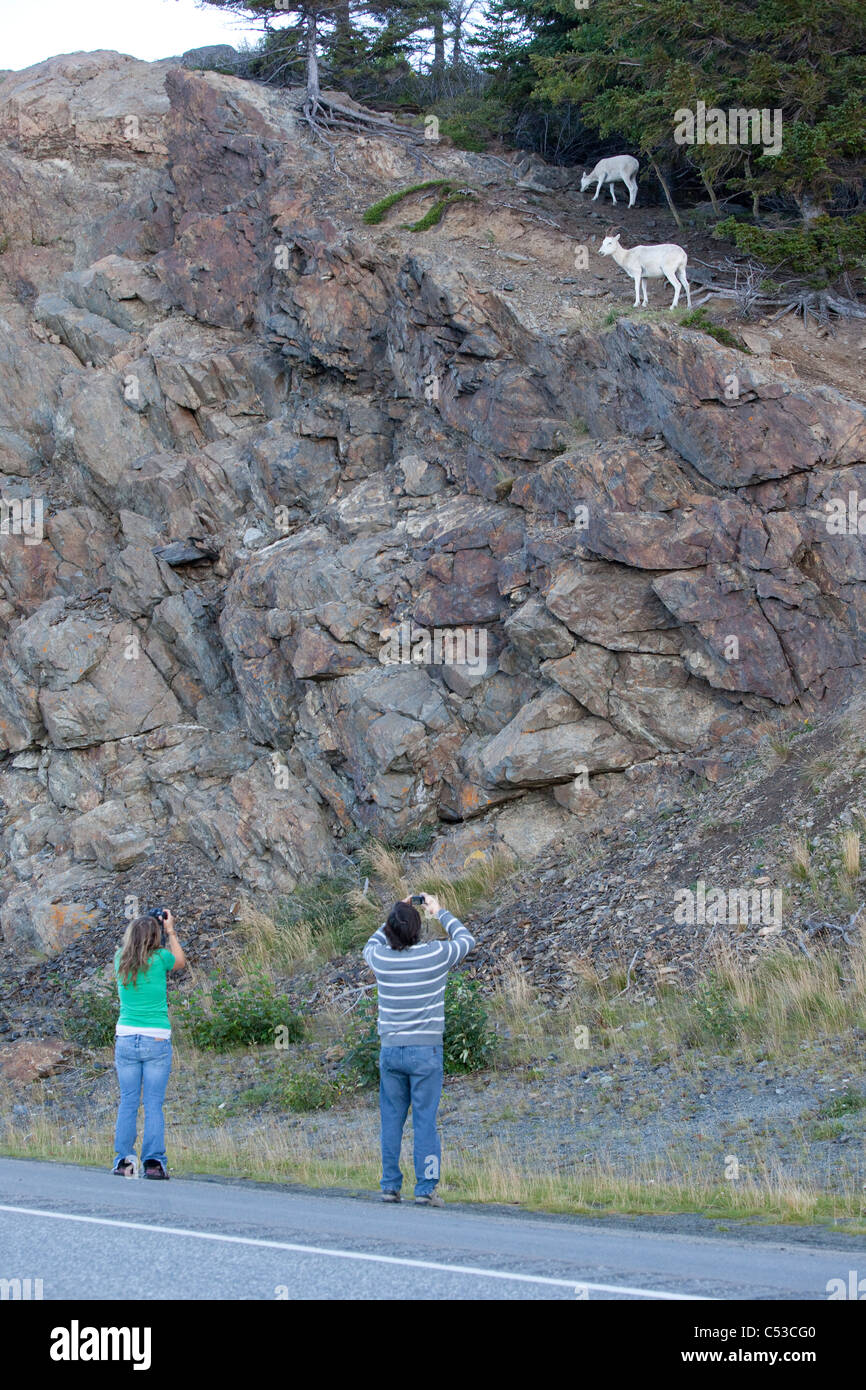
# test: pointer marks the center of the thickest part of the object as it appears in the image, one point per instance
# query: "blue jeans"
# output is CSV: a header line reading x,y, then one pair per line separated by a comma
x,y
410,1076
143,1065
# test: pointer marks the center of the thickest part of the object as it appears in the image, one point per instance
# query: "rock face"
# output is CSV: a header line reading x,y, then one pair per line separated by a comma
x,y
30,1060
293,541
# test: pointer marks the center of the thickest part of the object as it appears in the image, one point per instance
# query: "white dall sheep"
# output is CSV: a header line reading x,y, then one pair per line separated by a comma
x,y
620,166
644,263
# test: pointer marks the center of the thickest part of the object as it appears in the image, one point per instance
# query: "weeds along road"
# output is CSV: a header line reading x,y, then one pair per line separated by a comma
x,y
89,1235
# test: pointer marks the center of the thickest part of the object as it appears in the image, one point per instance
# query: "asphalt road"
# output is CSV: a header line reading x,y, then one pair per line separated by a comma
x,y
89,1235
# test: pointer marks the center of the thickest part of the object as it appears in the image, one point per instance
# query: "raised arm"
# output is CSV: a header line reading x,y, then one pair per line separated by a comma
x,y
172,942
461,938
377,940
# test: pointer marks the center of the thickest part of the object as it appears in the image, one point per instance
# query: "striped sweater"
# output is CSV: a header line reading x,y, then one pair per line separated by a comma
x,y
412,984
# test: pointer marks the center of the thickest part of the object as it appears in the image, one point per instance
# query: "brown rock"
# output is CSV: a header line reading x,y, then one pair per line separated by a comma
x,y
29,1059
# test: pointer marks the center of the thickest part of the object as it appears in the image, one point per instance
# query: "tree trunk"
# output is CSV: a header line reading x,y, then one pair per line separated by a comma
x,y
343,35
756,197
667,192
313,93
457,45
438,40
714,202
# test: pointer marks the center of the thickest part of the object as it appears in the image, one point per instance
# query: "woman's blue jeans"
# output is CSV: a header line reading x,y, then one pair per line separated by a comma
x,y
143,1065
410,1076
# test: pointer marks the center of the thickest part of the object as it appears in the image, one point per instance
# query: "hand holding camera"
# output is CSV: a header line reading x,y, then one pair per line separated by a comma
x,y
426,901
165,917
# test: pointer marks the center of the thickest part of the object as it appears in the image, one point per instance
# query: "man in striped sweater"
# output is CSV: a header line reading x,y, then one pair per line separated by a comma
x,y
411,977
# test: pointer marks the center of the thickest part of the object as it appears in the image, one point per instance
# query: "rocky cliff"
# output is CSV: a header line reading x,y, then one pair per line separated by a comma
x,y
254,448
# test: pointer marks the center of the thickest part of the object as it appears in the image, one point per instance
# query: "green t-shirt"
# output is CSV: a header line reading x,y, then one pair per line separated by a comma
x,y
143,1002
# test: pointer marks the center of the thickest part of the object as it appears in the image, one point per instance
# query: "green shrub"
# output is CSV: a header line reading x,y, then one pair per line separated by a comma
x,y
414,840
306,1090
465,136
468,1043
227,1015
301,1090
472,121
699,318
327,908
361,1061
820,250
716,1016
847,1103
91,1017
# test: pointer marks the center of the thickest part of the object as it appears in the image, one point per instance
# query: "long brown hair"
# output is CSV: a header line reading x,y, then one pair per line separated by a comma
x,y
141,938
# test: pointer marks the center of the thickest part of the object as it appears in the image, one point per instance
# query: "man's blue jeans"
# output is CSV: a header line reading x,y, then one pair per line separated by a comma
x,y
410,1076
143,1065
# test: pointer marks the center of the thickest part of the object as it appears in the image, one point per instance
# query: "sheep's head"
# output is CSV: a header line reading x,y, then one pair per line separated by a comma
x,y
609,245
584,180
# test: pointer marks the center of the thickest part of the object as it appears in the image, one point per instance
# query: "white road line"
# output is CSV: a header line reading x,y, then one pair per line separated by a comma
x,y
575,1284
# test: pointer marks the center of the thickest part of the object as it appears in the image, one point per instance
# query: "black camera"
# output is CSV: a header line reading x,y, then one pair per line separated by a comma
x,y
417,899
158,914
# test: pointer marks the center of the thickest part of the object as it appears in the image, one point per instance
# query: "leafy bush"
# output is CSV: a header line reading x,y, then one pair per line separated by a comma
x,y
227,1015
699,318
90,1018
301,1090
468,1043
305,1090
362,1058
715,1014
820,250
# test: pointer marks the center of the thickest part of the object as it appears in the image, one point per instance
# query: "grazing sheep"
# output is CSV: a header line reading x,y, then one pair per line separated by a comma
x,y
607,171
644,263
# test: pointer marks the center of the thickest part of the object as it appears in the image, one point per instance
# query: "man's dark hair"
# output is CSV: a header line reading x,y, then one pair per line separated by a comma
x,y
403,927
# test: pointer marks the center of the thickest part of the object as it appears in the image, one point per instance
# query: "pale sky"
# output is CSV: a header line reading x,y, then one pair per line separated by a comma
x,y
150,29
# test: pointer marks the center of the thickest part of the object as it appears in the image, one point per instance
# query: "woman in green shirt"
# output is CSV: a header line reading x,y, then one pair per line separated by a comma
x,y
142,1049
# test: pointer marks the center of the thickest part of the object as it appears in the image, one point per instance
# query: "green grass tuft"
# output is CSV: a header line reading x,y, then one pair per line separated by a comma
x,y
376,213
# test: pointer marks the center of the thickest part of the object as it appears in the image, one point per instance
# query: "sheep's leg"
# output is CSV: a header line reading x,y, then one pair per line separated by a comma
x,y
637,290
612,194
676,284
682,276
632,193
644,284
597,190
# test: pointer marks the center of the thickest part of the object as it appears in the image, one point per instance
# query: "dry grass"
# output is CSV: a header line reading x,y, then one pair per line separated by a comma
x,y
801,860
850,850
324,920
262,944
274,1153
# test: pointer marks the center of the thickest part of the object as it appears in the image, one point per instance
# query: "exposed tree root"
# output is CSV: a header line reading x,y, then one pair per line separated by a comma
x,y
793,296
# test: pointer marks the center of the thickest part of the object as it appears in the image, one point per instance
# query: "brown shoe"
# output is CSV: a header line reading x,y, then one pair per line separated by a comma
x,y
431,1200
